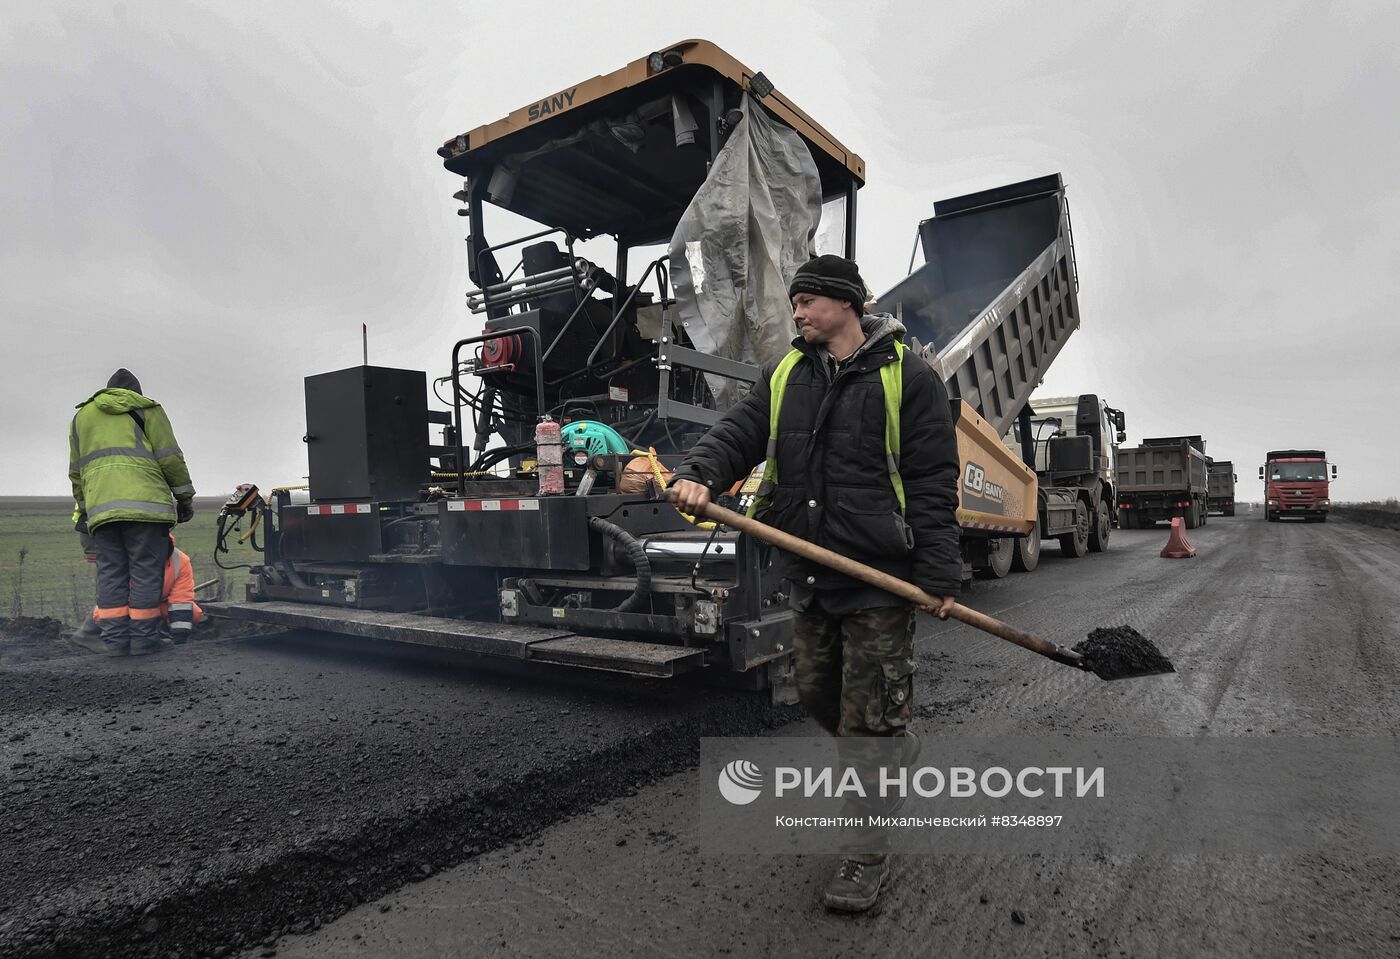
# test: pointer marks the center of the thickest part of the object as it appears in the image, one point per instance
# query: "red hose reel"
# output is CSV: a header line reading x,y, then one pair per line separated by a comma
x,y
502,355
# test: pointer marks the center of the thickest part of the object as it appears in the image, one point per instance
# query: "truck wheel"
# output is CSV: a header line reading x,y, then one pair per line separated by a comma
x,y
1099,532
1271,517
1188,517
1076,544
1229,511
1203,512
1125,519
1026,556
1000,552
1322,518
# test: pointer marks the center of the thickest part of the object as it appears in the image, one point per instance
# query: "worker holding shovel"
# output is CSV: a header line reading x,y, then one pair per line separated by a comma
x,y
861,458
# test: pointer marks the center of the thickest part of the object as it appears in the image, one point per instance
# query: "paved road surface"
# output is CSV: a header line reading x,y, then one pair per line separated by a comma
x,y
222,792
229,793
1275,627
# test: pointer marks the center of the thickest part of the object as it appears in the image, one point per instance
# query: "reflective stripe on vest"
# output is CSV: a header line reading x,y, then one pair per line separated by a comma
x,y
139,452
136,504
891,379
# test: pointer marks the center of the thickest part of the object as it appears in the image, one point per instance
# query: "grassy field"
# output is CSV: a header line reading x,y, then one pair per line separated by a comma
x,y
1391,505
43,573
1384,514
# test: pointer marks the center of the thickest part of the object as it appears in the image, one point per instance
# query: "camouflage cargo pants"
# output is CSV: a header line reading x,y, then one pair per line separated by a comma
x,y
855,675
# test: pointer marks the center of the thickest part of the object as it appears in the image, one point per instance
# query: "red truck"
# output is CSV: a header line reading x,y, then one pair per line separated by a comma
x,y
1295,484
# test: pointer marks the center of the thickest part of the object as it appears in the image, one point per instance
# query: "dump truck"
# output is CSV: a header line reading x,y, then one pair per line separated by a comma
x,y
1071,442
1296,484
1222,478
991,307
1163,478
535,526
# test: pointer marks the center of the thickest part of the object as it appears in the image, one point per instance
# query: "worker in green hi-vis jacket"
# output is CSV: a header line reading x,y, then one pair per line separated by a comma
x,y
130,486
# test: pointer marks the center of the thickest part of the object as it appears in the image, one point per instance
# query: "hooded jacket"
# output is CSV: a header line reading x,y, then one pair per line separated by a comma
x,y
123,460
833,485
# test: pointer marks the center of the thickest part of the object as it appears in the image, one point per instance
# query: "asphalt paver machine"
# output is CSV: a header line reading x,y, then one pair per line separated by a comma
x,y
527,518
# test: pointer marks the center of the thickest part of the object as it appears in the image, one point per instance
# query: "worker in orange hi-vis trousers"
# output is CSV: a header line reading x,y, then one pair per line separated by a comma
x,y
130,486
177,603
178,608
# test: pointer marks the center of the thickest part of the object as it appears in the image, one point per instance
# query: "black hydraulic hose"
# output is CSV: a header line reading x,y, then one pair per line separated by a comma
x,y
695,570
641,593
490,458
292,576
221,544
221,539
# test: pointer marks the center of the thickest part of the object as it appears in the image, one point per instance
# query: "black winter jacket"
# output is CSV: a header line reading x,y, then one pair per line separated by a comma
x,y
833,484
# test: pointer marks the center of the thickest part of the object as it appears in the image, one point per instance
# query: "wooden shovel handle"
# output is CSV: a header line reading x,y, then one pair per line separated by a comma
x,y
891,584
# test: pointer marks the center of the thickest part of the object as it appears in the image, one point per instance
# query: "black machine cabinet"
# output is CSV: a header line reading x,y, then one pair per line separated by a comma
x,y
308,535
367,434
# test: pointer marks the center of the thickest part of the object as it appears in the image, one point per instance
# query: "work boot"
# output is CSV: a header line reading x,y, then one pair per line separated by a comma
x,y
857,884
145,637
145,645
114,634
90,640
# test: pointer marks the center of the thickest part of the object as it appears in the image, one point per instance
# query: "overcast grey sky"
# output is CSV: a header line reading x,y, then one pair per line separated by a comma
x,y
217,194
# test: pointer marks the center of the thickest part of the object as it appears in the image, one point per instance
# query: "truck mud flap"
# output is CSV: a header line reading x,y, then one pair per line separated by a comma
x,y
488,639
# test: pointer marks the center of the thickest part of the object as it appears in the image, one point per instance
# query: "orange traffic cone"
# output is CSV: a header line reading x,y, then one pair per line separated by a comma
x,y
1177,547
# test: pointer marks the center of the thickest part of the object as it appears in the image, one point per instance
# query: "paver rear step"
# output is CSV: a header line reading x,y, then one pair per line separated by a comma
x,y
490,639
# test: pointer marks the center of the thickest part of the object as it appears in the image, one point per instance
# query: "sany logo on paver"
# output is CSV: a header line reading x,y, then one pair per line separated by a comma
x,y
740,782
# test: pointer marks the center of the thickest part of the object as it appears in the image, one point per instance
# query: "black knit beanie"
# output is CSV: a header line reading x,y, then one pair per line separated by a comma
x,y
124,379
833,276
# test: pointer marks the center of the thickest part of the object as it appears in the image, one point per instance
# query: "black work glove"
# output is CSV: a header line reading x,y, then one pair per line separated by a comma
x,y
80,524
184,511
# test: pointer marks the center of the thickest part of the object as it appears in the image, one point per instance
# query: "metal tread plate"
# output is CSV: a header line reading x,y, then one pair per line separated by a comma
x,y
619,655
473,636
493,639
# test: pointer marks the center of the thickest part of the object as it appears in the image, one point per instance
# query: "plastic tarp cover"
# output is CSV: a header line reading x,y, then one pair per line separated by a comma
x,y
745,233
